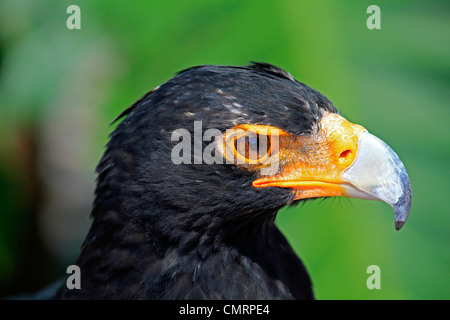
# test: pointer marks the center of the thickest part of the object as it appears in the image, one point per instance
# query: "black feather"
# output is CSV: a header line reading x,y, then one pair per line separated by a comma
x,y
166,231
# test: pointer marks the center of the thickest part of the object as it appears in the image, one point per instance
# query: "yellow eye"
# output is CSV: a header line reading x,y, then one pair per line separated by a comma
x,y
251,144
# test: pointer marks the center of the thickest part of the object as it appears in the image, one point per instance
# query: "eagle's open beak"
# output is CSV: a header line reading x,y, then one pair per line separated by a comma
x,y
343,160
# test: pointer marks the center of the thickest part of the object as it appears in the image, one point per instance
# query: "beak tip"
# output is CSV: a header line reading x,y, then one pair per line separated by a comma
x,y
403,207
399,225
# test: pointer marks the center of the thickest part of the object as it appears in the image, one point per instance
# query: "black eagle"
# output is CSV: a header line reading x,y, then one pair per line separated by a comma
x,y
202,229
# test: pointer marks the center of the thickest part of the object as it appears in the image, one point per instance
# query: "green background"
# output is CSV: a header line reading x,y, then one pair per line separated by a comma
x,y
60,88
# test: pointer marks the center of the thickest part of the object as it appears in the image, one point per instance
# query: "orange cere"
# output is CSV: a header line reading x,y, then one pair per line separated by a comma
x,y
312,165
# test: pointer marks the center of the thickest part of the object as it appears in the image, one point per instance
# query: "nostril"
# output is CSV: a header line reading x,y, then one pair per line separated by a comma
x,y
345,154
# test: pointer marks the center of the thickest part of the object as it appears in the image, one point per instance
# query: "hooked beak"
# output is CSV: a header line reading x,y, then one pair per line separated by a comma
x,y
343,160
378,173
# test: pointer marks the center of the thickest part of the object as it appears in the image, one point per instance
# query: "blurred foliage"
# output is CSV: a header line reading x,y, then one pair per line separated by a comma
x,y
60,88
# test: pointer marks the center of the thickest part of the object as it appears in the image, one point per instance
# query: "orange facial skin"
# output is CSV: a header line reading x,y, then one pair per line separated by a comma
x,y
311,165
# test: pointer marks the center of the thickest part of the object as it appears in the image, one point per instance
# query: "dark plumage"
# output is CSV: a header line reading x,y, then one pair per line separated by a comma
x,y
189,231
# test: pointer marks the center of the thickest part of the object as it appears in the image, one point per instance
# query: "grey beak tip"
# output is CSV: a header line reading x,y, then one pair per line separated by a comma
x,y
403,207
399,225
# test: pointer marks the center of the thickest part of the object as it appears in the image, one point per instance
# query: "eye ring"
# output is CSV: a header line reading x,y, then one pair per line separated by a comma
x,y
252,146
229,149
248,147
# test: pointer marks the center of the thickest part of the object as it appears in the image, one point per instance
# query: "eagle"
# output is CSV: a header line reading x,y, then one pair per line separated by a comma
x,y
193,176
